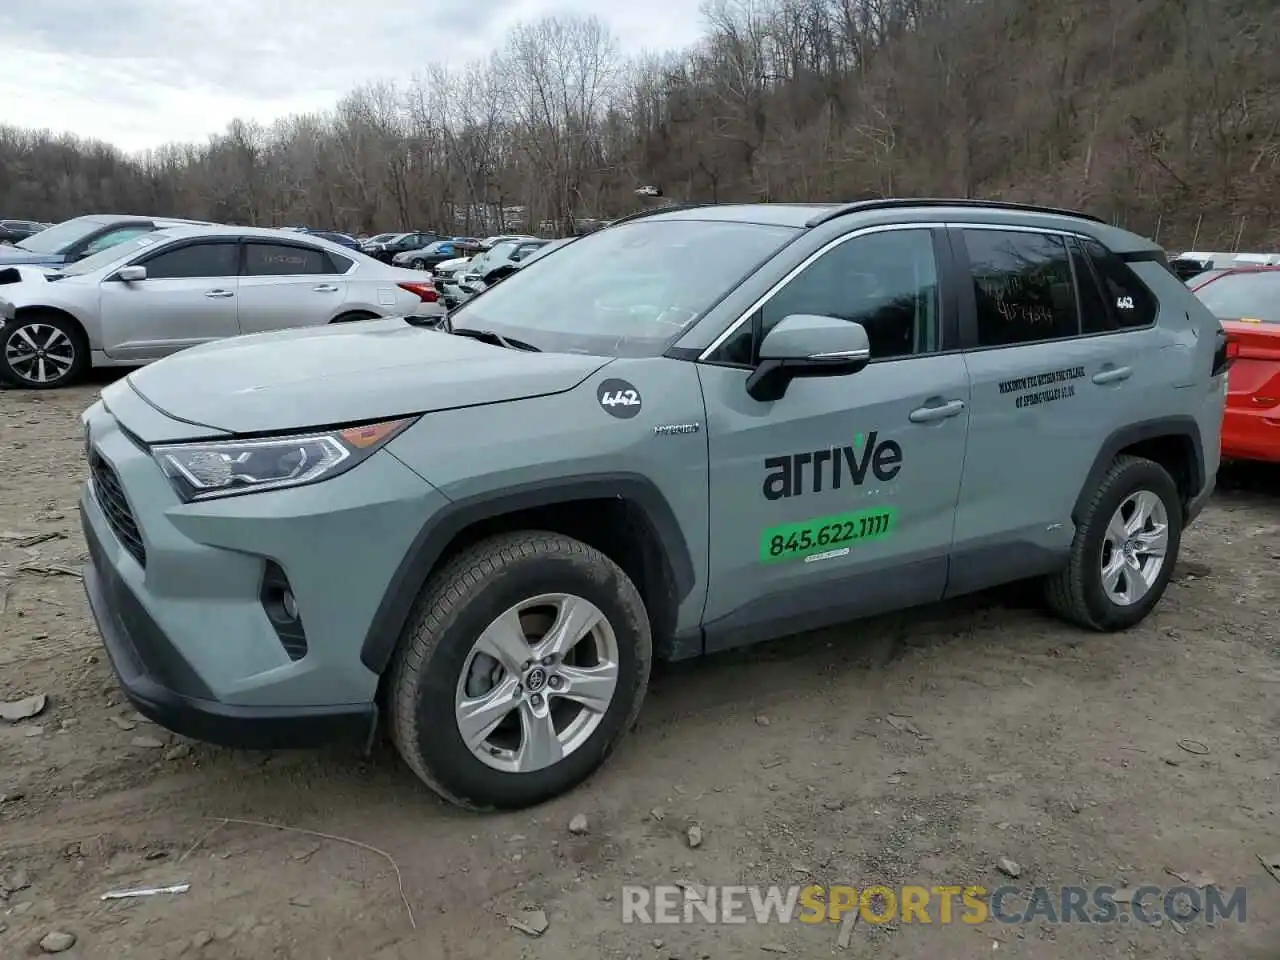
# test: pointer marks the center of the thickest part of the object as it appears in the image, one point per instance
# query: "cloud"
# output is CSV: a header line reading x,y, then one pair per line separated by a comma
x,y
139,73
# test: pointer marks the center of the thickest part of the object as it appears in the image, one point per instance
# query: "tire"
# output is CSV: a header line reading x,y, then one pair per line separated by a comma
x,y
437,660
1077,594
68,351
417,265
354,316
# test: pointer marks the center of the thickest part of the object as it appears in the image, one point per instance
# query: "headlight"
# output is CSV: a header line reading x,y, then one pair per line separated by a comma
x,y
224,468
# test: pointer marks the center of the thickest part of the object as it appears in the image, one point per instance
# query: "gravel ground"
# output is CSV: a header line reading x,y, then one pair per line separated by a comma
x,y
920,748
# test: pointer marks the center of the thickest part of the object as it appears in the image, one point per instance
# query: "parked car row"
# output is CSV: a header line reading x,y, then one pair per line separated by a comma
x,y
11,231
127,291
123,290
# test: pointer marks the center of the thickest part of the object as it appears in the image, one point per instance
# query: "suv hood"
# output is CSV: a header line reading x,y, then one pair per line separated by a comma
x,y
347,373
15,255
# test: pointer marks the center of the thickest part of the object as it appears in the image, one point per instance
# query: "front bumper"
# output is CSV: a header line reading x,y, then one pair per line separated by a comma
x,y
177,590
152,671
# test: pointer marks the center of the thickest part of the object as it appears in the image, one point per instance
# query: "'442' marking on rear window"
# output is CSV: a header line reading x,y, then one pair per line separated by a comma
x,y
792,541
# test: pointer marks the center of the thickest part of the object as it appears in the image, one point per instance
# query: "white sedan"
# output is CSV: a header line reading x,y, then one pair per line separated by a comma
x,y
178,287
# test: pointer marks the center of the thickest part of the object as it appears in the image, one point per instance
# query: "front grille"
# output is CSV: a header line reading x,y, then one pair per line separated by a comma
x,y
115,507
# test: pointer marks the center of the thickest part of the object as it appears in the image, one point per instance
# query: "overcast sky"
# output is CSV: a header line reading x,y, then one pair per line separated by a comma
x,y
140,73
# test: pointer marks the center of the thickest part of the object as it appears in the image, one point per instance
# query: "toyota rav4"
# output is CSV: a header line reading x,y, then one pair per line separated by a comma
x,y
698,428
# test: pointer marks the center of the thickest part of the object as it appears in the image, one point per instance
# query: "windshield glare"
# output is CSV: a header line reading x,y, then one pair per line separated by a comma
x,y
59,237
113,254
626,291
1249,296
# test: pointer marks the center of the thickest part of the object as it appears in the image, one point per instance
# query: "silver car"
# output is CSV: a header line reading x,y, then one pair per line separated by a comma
x,y
470,280
179,287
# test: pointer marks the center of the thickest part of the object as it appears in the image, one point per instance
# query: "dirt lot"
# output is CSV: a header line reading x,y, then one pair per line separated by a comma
x,y
1025,740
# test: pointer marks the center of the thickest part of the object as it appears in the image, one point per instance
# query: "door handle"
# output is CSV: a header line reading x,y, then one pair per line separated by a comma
x,y
325,288
942,411
1113,374
219,294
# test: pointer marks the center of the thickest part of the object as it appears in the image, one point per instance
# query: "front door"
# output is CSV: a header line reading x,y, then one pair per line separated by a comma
x,y
839,499
188,298
288,285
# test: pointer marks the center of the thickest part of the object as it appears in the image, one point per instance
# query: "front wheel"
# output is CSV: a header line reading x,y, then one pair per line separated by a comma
x,y
1124,550
42,352
526,659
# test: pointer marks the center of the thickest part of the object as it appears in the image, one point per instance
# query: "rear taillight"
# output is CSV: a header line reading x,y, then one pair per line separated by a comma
x,y
425,292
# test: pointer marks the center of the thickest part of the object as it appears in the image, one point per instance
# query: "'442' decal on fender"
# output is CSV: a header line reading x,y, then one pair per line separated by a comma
x,y
619,398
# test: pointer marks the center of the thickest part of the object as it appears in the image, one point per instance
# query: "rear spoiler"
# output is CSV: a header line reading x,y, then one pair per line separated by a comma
x,y
1152,255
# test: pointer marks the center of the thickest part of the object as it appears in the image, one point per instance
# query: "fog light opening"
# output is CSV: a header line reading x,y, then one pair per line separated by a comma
x,y
281,607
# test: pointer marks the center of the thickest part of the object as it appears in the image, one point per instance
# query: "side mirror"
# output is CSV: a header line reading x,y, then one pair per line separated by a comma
x,y
807,345
131,274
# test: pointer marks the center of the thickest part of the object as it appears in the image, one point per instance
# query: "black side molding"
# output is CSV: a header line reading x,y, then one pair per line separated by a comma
x,y
1182,427
431,541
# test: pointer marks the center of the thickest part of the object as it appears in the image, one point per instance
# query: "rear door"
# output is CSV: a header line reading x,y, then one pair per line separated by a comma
x,y
188,298
1055,370
285,284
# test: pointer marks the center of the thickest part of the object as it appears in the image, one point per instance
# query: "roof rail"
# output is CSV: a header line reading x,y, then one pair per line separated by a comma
x,y
888,203
639,214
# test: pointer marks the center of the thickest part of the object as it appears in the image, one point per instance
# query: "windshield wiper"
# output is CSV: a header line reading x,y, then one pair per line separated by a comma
x,y
492,336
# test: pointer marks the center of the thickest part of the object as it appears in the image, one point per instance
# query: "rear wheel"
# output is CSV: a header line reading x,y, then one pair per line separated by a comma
x,y
1124,550
43,351
355,315
526,659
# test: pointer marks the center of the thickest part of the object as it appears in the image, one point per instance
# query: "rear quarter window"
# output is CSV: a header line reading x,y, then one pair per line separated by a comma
x,y
1130,303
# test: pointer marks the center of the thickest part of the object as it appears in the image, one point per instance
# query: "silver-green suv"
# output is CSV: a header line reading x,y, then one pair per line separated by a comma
x,y
695,429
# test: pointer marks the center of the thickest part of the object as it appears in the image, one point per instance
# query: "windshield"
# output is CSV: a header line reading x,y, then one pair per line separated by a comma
x,y
113,254
57,239
1244,296
382,238
627,291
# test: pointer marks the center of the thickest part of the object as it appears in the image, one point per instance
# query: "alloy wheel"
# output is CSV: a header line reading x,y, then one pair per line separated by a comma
x,y
537,683
1134,547
39,353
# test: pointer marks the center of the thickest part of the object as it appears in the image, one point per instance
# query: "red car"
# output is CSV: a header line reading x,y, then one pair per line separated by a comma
x,y
1247,301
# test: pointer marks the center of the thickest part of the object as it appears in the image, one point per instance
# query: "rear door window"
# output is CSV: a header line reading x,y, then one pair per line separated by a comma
x,y
1023,287
281,260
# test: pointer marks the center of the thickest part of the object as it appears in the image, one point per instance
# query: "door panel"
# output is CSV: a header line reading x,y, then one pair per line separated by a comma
x,y
1044,400
839,499
188,298
284,286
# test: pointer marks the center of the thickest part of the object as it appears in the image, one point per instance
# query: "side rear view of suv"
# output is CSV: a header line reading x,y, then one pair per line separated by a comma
x,y
697,428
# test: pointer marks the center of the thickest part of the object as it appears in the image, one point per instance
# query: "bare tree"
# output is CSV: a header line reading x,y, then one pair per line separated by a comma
x,y
1147,112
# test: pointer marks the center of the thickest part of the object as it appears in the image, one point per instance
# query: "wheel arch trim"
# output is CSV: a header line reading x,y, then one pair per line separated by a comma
x,y
1177,427
441,528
